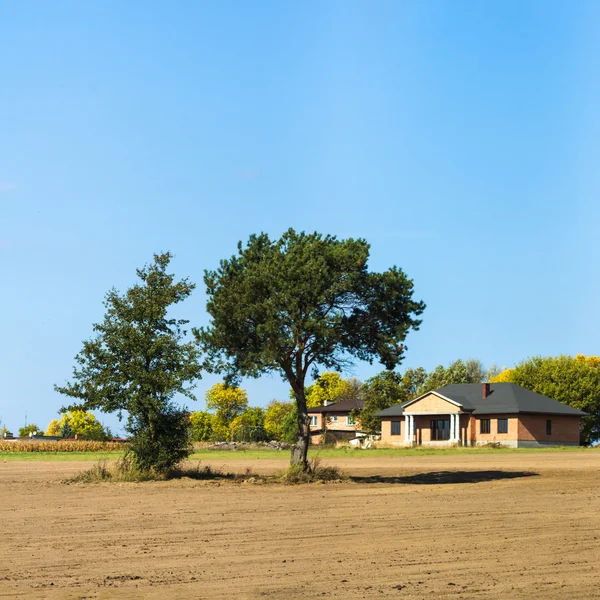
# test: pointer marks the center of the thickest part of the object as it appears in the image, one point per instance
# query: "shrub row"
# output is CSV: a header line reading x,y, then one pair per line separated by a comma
x,y
62,446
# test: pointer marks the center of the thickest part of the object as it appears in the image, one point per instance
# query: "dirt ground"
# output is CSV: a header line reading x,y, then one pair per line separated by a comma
x,y
487,526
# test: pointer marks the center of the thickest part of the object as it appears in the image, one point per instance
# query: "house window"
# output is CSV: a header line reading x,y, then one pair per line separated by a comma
x,y
350,420
334,419
548,427
440,429
313,421
502,425
484,426
396,428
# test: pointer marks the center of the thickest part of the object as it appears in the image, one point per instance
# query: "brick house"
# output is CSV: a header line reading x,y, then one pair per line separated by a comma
x,y
474,414
334,421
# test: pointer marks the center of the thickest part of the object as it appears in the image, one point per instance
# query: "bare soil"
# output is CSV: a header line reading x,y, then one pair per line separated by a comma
x,y
486,526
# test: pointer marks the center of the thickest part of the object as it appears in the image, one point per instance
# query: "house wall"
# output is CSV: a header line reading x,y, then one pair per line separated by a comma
x,y
341,430
509,439
565,430
386,431
523,430
340,425
432,404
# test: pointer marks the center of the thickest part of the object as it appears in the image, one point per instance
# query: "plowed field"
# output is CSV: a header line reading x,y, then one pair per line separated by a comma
x,y
477,526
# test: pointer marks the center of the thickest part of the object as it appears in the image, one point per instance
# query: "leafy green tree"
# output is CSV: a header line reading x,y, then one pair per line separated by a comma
x,y
249,426
289,426
137,362
572,380
201,425
275,415
460,371
381,391
31,428
303,302
226,401
414,382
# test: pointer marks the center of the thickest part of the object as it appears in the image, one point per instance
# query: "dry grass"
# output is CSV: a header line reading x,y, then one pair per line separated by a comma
x,y
317,473
123,470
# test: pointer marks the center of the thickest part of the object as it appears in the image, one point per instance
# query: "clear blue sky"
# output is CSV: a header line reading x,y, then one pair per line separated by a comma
x,y
459,138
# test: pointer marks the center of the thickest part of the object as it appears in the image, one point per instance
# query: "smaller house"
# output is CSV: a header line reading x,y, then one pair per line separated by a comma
x,y
474,414
335,422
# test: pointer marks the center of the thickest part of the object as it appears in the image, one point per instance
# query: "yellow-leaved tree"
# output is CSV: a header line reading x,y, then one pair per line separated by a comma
x,y
275,417
53,428
227,402
81,423
502,377
330,387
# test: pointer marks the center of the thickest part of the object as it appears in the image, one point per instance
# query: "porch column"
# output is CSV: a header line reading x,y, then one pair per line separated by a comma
x,y
457,428
412,428
452,427
406,427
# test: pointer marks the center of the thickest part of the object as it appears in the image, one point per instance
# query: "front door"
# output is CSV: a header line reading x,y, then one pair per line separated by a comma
x,y
440,429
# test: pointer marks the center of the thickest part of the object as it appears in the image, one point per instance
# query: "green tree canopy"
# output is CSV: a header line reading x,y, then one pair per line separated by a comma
x,y
380,392
249,426
137,362
460,371
572,380
31,428
302,302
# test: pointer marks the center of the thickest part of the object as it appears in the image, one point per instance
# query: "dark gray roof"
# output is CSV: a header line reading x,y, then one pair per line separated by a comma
x,y
504,398
341,406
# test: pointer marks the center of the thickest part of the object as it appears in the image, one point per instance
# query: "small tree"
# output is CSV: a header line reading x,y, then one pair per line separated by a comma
x,y
30,429
137,362
66,431
303,302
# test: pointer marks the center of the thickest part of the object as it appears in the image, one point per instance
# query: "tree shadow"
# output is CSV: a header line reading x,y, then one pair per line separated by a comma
x,y
443,477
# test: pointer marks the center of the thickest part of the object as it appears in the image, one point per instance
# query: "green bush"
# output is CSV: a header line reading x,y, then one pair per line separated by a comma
x,y
159,443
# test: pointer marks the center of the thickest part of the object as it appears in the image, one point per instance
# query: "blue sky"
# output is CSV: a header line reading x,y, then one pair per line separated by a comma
x,y
459,138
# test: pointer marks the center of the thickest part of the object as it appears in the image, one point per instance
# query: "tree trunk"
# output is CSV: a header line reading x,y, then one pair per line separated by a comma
x,y
300,448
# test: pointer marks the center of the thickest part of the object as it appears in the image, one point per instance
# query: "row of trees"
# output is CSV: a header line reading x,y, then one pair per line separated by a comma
x,y
78,423
572,380
288,306
229,417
